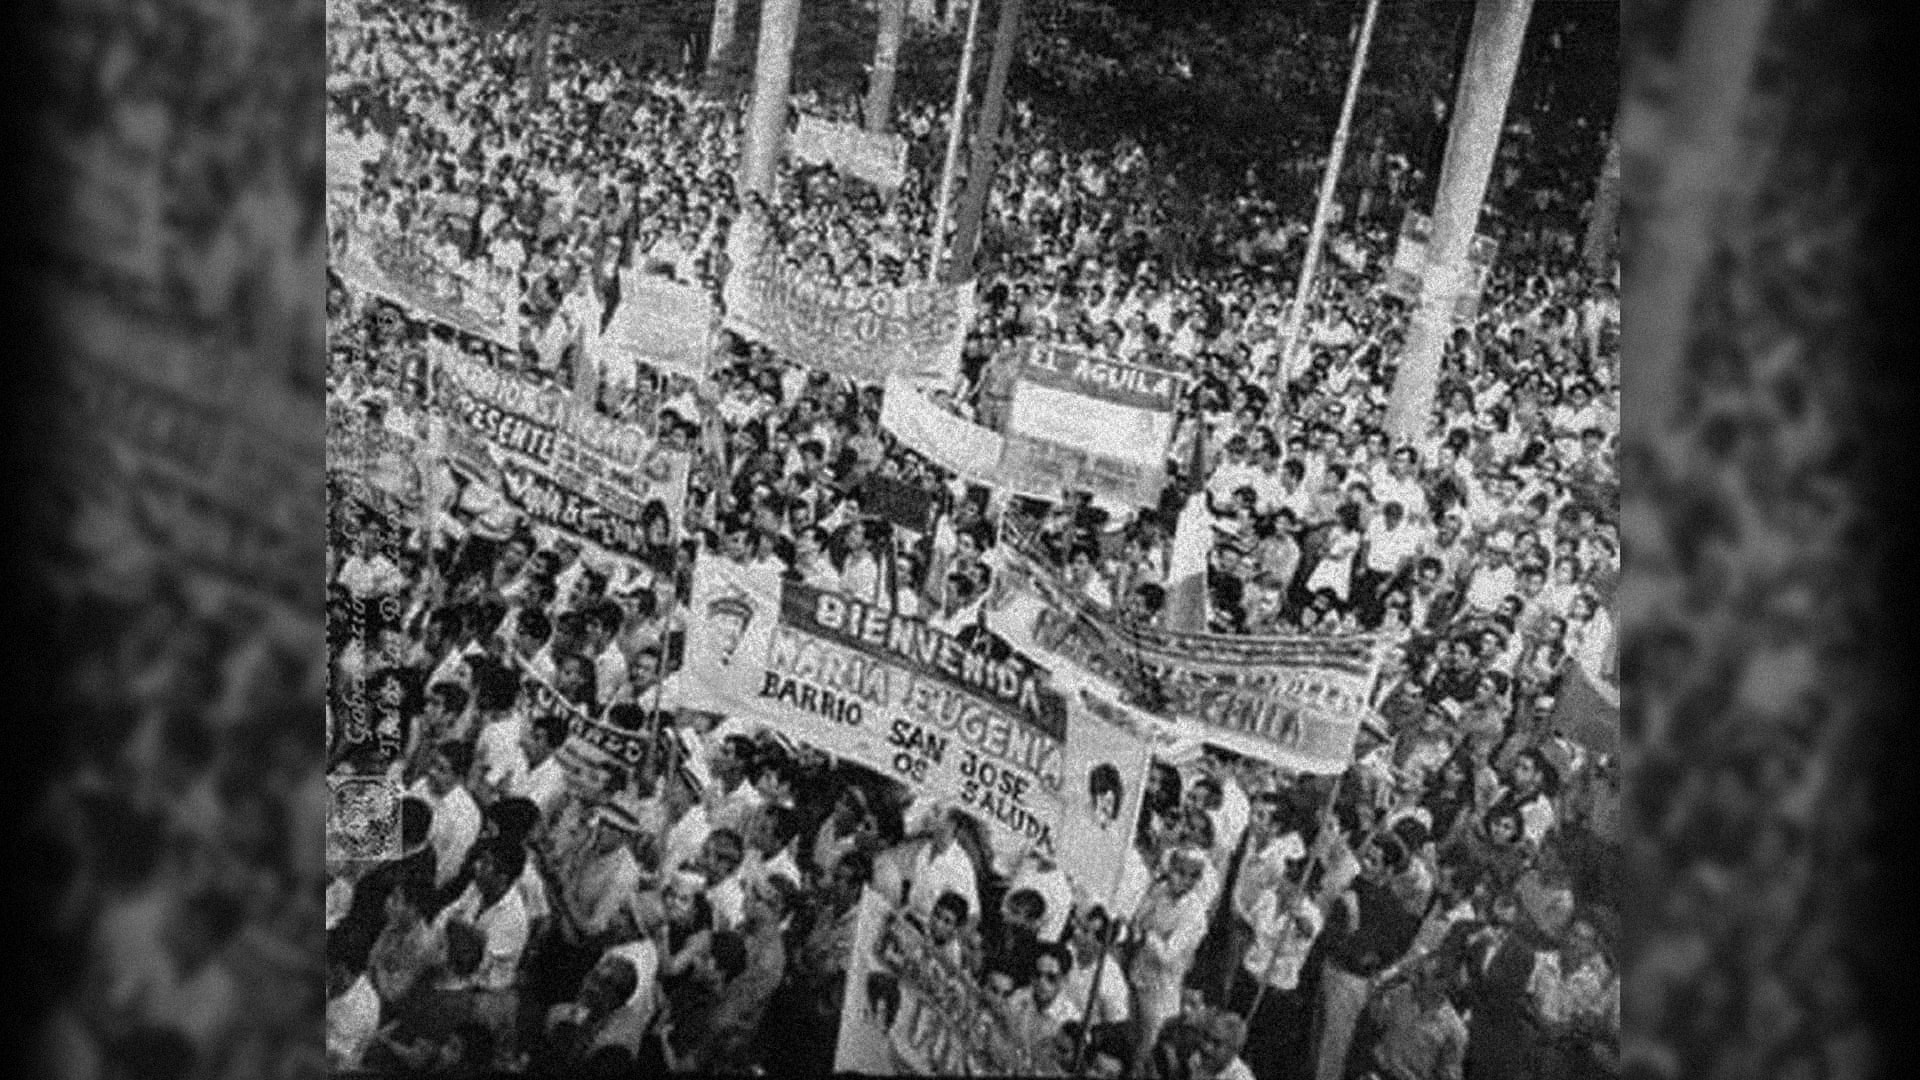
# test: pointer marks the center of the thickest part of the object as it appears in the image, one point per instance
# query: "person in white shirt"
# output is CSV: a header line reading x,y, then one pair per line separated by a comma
x,y
1171,922
1391,546
628,1024
456,817
611,673
730,798
1232,474
810,563
942,865
1285,923
1494,580
1268,480
1112,1006
1223,1035
1273,851
689,831
719,866
771,838
1040,1009
543,780
601,882
492,906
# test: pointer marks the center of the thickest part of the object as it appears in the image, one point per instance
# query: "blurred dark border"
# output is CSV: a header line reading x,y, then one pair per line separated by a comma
x,y
1884,940
1863,54
29,658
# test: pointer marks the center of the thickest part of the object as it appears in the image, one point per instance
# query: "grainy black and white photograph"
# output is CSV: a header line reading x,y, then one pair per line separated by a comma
x,y
1023,538
537,556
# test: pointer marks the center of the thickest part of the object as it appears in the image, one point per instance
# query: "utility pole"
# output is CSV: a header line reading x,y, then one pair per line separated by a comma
x,y
985,146
1329,182
955,125
772,80
1479,114
886,63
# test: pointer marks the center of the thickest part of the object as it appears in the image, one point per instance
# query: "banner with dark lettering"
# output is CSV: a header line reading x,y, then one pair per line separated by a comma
x,y
604,482
914,331
592,746
876,157
409,275
887,691
662,323
1297,701
910,1009
1082,421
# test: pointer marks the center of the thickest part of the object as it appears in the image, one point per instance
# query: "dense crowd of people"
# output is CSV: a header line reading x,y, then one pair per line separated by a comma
x,y
1445,908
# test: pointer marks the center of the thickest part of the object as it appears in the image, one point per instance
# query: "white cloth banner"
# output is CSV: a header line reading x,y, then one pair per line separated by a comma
x,y
879,159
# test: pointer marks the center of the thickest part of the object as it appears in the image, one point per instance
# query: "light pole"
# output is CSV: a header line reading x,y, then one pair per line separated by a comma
x,y
1479,115
1329,181
955,123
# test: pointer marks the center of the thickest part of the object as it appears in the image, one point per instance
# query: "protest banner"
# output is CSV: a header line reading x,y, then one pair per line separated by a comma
x,y
663,323
1407,273
911,1010
408,275
1109,749
885,690
1081,421
592,746
966,449
563,465
914,331
1296,701
879,158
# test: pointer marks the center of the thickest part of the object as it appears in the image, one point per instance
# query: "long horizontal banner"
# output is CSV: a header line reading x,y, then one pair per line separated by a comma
x,y
663,323
966,449
1079,420
911,1010
1022,465
1296,701
561,464
546,422
878,158
1036,464
913,331
408,276
885,690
